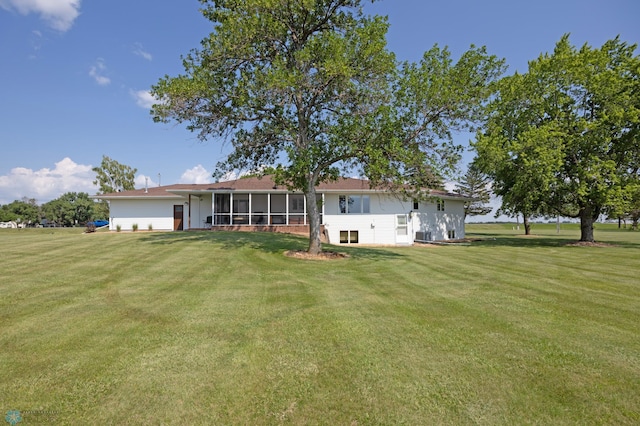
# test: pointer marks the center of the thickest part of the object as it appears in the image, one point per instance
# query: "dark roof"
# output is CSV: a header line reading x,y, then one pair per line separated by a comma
x,y
250,184
154,192
266,183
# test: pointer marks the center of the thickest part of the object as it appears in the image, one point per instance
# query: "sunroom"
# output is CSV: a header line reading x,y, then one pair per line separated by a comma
x,y
232,208
261,209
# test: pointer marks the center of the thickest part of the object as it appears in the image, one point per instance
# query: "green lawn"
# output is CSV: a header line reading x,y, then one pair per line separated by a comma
x,y
222,328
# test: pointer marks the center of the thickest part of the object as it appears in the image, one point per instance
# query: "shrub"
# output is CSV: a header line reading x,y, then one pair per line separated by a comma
x,y
134,227
118,228
150,227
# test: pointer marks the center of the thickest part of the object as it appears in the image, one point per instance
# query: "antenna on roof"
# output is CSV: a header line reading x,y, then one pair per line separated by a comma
x,y
146,184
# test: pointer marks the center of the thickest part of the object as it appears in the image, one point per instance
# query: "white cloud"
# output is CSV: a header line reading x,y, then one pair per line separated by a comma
x,y
196,175
97,71
139,50
47,184
59,14
143,98
143,181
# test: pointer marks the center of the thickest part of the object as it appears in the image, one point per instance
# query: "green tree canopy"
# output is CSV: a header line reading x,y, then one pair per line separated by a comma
x,y
22,211
69,209
563,138
308,86
112,176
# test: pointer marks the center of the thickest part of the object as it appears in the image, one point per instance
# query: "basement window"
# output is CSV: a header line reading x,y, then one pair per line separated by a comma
x,y
348,237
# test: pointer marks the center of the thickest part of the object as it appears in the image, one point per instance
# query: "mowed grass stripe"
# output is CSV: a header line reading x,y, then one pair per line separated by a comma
x,y
210,327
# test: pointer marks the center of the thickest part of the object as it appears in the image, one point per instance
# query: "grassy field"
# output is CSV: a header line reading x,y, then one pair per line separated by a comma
x,y
222,328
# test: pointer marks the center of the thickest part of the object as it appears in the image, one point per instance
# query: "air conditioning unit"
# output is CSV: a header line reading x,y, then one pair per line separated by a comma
x,y
423,236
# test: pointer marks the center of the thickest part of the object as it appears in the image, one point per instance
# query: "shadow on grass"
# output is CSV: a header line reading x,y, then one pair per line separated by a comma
x,y
268,242
539,240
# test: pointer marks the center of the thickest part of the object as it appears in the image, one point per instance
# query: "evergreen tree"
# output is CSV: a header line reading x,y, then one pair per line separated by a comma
x,y
475,184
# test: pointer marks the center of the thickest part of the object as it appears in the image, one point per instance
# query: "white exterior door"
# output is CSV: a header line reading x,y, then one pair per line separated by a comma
x,y
402,229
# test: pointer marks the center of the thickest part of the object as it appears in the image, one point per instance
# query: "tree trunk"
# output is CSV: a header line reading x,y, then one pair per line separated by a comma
x,y
586,224
313,216
527,225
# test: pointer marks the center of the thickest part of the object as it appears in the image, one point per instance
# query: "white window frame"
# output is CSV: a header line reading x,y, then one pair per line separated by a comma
x,y
343,204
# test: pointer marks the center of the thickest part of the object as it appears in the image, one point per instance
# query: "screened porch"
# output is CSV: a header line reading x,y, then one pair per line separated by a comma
x,y
262,209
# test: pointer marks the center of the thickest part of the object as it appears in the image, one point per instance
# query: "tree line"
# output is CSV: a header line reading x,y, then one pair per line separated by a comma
x,y
72,208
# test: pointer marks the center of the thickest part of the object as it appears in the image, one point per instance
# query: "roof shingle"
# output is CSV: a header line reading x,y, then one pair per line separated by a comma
x,y
250,184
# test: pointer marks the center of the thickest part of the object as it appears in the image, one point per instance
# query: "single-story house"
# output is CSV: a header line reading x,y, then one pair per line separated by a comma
x,y
352,212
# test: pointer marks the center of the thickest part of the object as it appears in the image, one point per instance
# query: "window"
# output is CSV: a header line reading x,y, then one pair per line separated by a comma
x,y
296,203
401,228
451,234
440,205
354,204
348,237
415,205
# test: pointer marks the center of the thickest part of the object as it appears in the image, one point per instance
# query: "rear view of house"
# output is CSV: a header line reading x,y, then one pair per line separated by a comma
x,y
352,212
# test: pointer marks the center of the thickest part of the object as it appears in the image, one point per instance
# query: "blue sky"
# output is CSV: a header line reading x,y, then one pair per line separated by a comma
x,y
75,75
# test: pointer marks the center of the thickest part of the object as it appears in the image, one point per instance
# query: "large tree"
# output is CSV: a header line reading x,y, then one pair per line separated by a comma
x,y
112,176
562,139
309,86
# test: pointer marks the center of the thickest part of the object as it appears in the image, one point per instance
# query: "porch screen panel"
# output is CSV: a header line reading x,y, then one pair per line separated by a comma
x,y
296,209
278,209
222,209
240,209
259,209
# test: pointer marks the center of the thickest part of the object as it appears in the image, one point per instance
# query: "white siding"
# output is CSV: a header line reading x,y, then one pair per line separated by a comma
x,y
157,213
376,227
428,219
379,226
198,209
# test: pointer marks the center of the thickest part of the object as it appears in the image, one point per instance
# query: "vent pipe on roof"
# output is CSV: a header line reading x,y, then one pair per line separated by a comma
x,y
146,184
